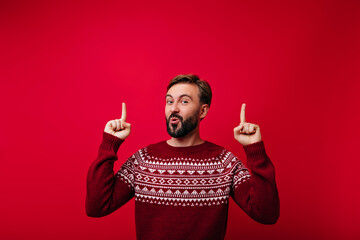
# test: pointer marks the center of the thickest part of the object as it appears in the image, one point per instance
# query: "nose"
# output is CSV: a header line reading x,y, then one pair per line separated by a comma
x,y
174,108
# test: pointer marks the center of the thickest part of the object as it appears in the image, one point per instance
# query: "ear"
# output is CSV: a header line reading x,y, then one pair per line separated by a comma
x,y
203,111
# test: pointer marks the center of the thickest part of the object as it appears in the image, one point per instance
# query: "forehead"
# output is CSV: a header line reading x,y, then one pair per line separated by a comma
x,y
183,89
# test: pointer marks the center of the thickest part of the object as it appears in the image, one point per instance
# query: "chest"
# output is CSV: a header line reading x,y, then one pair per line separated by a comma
x,y
184,181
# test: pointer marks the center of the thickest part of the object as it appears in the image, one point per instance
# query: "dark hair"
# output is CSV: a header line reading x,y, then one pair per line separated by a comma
x,y
204,87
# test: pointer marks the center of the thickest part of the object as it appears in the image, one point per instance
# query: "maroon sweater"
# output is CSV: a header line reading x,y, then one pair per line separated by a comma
x,y
182,192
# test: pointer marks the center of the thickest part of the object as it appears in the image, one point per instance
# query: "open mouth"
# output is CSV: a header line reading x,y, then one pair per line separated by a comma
x,y
174,120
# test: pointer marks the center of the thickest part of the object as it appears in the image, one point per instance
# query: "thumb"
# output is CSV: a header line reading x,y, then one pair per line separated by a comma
x,y
126,125
237,129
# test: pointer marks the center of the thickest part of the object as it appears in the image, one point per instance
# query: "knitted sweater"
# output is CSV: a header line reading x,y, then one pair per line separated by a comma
x,y
182,192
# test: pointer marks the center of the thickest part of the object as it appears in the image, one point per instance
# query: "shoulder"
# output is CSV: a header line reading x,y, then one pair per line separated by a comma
x,y
214,145
157,144
151,148
215,150
227,154
218,148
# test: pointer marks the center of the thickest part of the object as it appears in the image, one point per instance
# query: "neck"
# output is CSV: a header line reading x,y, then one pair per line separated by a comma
x,y
191,139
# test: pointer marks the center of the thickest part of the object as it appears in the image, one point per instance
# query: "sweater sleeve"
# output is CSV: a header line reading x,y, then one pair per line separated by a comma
x,y
256,192
107,191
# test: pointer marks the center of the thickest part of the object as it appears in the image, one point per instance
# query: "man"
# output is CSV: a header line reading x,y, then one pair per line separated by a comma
x,y
182,186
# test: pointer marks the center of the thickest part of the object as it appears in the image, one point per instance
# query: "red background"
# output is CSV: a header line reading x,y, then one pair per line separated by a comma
x,y
65,68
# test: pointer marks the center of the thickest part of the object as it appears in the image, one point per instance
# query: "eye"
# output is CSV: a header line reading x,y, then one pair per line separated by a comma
x,y
169,101
184,101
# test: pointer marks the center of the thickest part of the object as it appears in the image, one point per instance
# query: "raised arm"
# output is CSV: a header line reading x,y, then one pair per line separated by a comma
x,y
107,191
255,191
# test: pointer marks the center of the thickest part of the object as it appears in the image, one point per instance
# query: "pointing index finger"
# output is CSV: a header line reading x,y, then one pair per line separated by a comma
x,y
242,113
123,114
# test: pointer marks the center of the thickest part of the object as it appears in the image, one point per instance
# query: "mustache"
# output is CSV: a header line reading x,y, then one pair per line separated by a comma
x,y
176,116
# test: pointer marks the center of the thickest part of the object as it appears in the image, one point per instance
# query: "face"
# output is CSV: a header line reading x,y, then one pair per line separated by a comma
x,y
183,109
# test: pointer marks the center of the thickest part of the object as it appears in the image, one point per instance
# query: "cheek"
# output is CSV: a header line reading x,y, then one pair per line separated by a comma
x,y
193,111
166,111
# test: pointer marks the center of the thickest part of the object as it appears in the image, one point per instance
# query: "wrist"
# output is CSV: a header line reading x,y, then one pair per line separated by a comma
x,y
255,150
111,142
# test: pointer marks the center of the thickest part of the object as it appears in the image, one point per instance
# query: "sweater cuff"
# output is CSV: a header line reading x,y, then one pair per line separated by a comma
x,y
110,142
255,151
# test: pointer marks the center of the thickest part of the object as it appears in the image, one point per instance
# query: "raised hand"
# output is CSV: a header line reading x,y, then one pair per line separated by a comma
x,y
119,127
246,133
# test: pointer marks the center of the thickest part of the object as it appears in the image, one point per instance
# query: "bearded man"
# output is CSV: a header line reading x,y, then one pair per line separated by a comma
x,y
182,185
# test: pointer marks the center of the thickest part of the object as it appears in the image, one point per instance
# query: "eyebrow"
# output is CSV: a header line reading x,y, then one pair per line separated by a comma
x,y
182,95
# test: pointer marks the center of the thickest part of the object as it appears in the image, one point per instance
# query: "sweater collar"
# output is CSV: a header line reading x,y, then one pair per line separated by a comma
x,y
188,149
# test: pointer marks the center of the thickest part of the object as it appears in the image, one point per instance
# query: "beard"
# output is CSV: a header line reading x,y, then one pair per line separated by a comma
x,y
186,126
